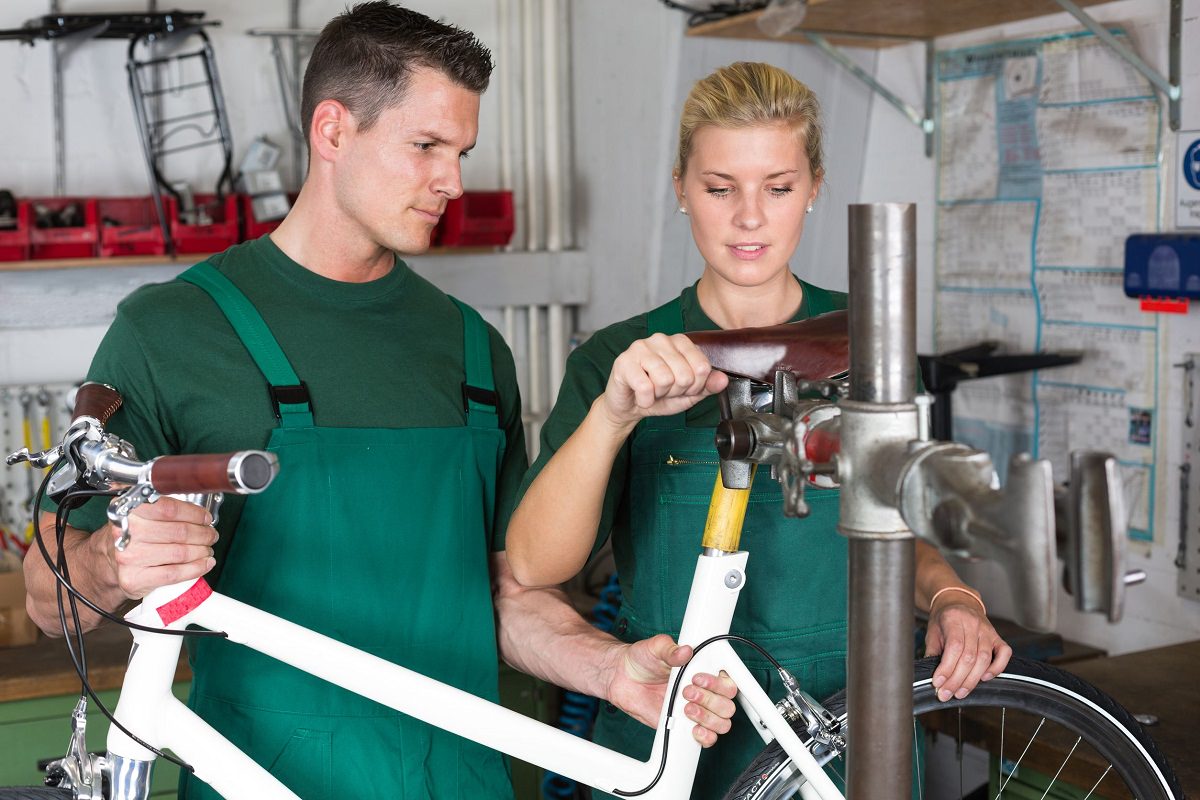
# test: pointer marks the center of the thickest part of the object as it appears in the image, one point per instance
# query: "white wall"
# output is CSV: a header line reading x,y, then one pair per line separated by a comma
x,y
895,169
633,68
103,149
51,321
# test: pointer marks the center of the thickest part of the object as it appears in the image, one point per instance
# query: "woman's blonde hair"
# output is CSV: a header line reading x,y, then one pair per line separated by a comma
x,y
751,93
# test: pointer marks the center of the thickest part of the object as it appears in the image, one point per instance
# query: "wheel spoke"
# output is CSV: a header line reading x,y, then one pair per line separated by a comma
x,y
1097,784
1060,768
917,762
1003,715
1004,782
959,750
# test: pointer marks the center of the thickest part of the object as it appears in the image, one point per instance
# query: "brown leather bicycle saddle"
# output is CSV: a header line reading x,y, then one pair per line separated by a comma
x,y
812,349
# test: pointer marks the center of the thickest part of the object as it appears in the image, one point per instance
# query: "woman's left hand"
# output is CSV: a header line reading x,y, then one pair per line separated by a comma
x,y
971,649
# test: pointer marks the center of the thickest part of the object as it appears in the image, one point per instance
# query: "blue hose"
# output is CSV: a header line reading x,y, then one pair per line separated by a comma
x,y
577,712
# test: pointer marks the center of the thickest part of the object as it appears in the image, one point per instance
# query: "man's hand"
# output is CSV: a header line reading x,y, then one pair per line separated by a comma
x,y
971,649
659,376
169,541
638,683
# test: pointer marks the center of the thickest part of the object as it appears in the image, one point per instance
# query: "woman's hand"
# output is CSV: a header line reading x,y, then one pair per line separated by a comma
x,y
638,684
971,649
659,376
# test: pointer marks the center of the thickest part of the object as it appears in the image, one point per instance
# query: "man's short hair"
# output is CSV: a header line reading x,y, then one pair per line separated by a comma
x,y
365,58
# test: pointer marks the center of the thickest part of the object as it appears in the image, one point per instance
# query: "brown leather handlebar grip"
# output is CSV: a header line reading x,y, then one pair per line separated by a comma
x,y
244,472
96,400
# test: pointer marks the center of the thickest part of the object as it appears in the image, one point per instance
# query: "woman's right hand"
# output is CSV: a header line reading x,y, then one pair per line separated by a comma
x,y
659,376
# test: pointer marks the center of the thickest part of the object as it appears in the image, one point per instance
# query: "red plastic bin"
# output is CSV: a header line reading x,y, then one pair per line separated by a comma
x,y
78,241
129,227
476,219
252,227
217,235
14,243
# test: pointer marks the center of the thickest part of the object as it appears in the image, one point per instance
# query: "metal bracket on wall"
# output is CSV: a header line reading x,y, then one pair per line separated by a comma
x,y
1170,86
924,120
1187,558
289,75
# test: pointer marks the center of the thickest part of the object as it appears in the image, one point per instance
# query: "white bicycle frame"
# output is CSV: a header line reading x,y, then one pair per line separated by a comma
x,y
149,709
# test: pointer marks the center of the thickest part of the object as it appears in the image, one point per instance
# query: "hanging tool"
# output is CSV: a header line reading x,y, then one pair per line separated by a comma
x,y
26,400
942,373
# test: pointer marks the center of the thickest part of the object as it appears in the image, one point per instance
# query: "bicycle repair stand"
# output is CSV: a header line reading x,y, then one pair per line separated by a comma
x,y
208,126
898,483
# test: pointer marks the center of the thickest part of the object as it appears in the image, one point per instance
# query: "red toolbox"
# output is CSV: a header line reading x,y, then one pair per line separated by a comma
x,y
129,227
69,241
476,219
14,242
213,230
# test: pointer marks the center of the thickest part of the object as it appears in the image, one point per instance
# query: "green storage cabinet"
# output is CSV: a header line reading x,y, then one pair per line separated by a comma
x,y
33,731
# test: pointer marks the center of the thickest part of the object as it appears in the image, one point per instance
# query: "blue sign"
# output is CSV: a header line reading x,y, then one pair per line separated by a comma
x,y
1191,165
1163,265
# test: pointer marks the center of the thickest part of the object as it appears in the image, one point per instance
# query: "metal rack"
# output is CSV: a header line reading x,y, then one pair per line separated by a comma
x,y
163,135
160,134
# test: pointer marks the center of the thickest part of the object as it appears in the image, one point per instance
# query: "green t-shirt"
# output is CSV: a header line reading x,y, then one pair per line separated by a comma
x,y
382,354
587,374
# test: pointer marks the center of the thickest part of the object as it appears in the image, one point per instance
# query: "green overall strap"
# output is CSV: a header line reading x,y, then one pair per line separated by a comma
x,y
480,400
288,393
666,319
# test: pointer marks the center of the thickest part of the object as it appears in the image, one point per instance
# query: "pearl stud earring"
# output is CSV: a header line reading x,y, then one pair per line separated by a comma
x,y
809,211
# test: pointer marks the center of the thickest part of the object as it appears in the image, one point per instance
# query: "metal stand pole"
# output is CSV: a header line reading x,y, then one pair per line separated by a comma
x,y
876,423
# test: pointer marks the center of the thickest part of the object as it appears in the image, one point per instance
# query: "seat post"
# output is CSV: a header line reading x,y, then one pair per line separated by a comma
x,y
726,513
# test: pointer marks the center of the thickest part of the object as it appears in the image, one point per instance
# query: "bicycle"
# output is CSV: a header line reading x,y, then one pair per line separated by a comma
x,y
788,407
801,735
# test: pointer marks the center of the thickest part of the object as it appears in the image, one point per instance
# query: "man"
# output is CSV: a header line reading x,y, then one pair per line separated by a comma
x,y
395,416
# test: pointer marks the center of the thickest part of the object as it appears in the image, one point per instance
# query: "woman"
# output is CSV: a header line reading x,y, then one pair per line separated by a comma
x,y
628,449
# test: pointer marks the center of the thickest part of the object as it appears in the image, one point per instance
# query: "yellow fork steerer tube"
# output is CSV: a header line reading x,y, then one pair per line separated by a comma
x,y
726,512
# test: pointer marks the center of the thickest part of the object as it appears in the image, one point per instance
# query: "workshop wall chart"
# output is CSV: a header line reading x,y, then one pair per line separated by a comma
x,y
1048,158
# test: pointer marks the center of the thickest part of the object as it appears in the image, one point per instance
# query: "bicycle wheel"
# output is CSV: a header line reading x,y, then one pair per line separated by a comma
x,y
1017,715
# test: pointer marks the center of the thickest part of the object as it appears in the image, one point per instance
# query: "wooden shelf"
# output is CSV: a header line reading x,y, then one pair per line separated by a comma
x,y
896,20
44,669
183,260
86,263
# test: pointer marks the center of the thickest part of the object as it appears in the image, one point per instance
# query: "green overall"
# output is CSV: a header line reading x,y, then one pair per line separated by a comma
x,y
794,603
378,538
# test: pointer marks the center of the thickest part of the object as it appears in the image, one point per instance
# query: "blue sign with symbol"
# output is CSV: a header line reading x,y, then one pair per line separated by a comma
x,y
1191,165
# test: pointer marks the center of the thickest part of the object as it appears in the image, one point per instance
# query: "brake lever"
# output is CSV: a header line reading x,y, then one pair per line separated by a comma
x,y
46,458
123,504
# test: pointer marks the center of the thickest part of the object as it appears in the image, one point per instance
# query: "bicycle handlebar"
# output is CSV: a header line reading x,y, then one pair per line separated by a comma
x,y
100,460
96,400
244,472
106,460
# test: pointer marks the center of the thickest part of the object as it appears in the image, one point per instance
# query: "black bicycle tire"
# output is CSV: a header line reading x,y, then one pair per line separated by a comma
x,y
1036,685
34,793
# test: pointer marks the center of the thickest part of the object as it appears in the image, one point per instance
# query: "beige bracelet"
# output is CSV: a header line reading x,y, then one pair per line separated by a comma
x,y
962,589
